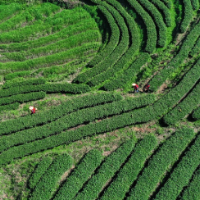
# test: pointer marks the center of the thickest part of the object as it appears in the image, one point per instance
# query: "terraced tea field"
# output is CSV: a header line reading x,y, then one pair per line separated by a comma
x,y
93,137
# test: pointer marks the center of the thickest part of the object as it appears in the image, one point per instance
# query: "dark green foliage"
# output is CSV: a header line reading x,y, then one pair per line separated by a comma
x,y
115,55
196,49
129,54
196,113
128,74
185,107
50,24
13,106
113,42
167,101
192,192
79,176
71,30
47,183
188,15
8,2
105,172
115,66
39,171
77,39
177,93
15,21
27,15
103,126
56,58
181,175
166,12
167,154
195,4
170,99
72,120
7,11
129,172
57,112
11,76
21,98
150,26
186,47
36,81
65,87
157,17
49,88
168,3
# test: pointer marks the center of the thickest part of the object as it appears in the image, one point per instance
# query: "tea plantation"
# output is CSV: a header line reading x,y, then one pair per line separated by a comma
x,y
93,136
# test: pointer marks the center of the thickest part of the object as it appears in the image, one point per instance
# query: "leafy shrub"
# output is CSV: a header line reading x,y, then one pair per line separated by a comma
x,y
21,98
188,15
195,4
72,120
57,112
13,106
103,126
167,154
39,171
78,27
50,88
125,77
106,171
113,41
8,10
51,23
129,54
162,30
196,49
47,183
182,173
150,26
186,47
168,3
185,107
196,113
129,172
58,46
31,13
192,191
117,51
96,72
11,76
36,81
57,58
166,12
80,175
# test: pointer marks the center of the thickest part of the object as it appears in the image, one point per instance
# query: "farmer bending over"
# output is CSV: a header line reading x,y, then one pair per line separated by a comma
x,y
32,109
146,87
135,87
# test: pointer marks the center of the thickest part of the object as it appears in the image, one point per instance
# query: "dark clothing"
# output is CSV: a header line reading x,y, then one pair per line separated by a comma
x,y
146,88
